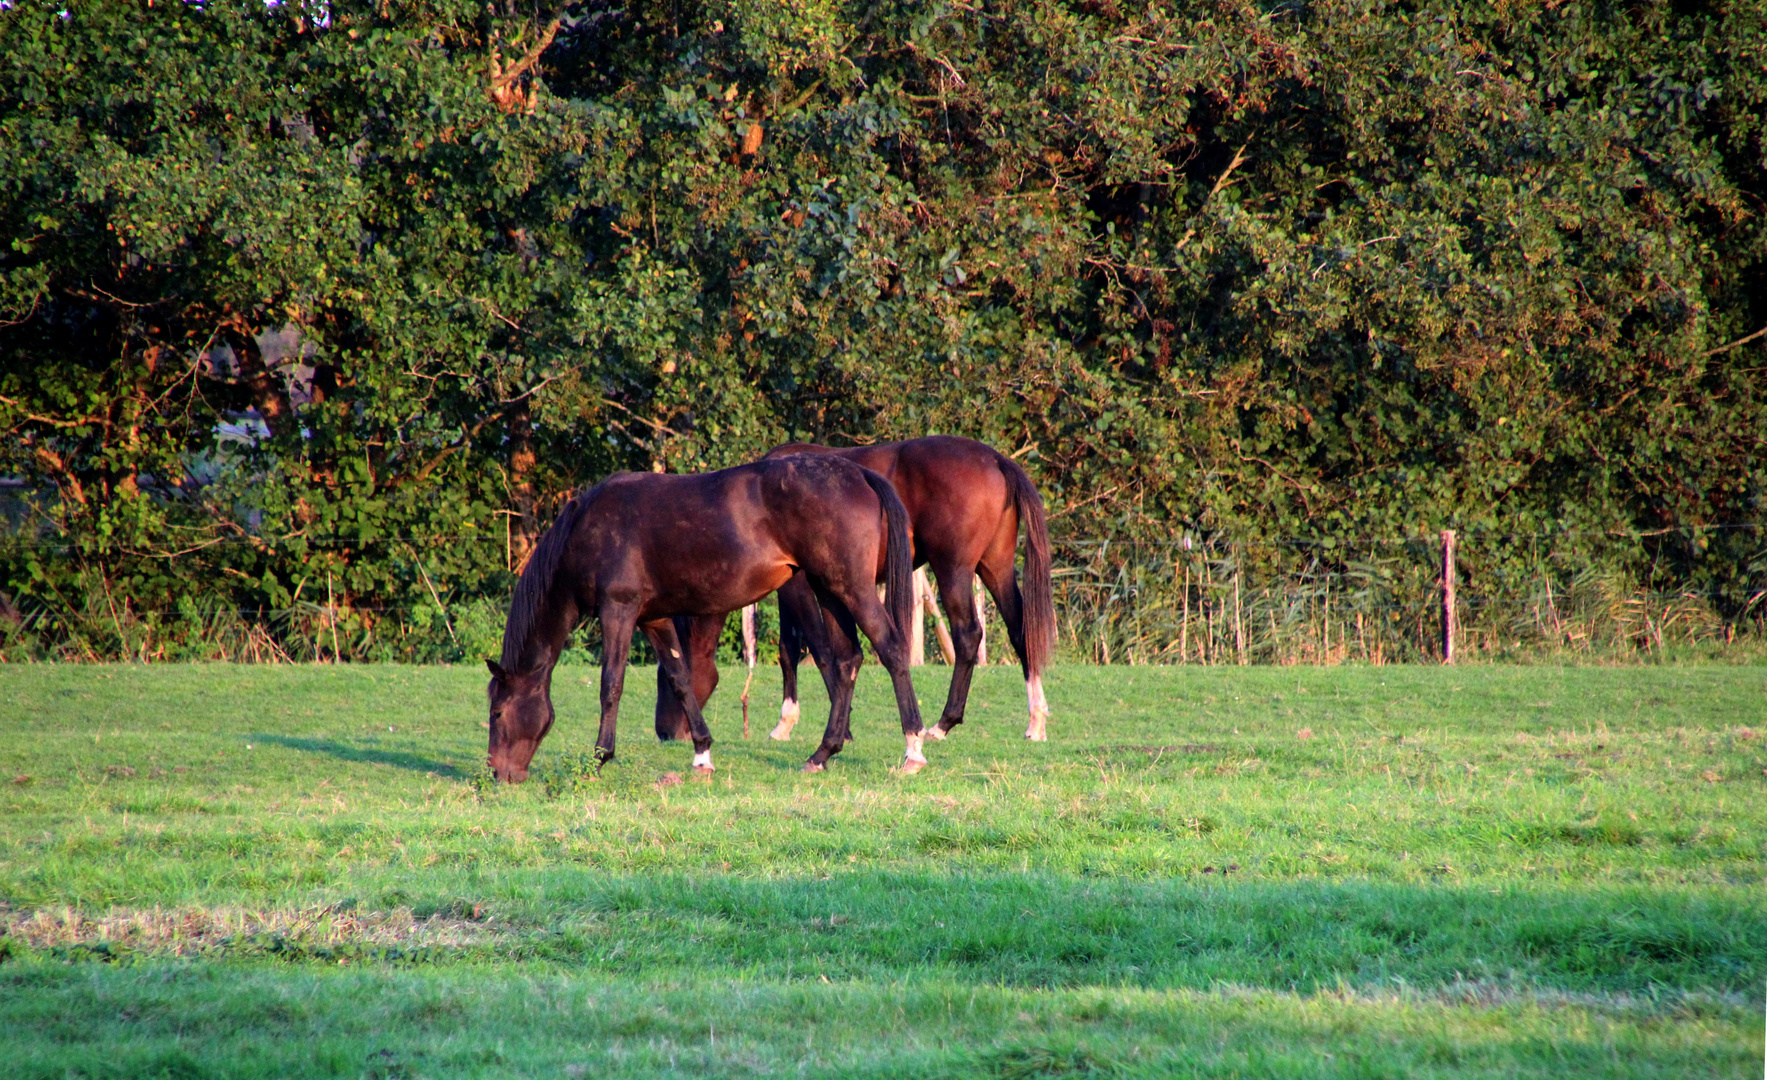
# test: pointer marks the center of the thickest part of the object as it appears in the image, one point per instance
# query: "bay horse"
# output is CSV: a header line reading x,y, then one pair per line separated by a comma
x,y
965,503
639,548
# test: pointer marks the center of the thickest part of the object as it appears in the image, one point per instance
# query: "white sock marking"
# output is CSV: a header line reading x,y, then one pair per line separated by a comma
x,y
788,718
914,752
1039,708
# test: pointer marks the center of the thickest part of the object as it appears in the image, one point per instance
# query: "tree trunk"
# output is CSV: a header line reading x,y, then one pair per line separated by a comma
x,y
524,527
268,389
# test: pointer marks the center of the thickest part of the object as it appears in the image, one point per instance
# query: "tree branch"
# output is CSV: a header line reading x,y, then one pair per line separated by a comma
x,y
1737,344
1291,481
1239,159
57,468
502,88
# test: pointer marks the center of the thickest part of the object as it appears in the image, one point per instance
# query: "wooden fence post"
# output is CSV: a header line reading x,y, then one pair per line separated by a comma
x,y
1238,621
939,627
748,655
917,627
1207,646
982,619
331,617
1184,623
1447,596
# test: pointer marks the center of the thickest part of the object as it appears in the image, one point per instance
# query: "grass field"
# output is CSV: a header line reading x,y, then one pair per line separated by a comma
x,y
1213,872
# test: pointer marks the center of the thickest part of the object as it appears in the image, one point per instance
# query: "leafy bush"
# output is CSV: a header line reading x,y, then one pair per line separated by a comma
x,y
310,324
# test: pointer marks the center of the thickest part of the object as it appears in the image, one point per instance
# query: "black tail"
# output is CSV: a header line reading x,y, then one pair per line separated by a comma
x,y
899,560
1037,594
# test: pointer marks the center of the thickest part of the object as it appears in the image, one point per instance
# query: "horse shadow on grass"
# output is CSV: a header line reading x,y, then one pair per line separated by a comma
x,y
395,758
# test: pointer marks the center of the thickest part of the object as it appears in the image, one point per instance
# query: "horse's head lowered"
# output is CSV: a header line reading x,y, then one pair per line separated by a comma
x,y
521,715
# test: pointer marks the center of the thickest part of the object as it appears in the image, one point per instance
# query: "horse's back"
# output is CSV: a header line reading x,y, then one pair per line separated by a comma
x,y
734,498
929,471
820,491
950,465
957,497
691,543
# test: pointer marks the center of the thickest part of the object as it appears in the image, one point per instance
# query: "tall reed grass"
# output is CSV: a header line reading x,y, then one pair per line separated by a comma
x,y
1214,602
1233,603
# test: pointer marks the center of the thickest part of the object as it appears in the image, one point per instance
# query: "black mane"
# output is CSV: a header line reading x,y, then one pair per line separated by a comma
x,y
536,581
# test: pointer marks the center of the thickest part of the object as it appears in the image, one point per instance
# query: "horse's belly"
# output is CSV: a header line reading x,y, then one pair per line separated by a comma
x,y
714,590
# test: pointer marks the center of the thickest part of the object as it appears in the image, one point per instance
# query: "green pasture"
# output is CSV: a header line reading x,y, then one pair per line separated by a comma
x,y
1214,872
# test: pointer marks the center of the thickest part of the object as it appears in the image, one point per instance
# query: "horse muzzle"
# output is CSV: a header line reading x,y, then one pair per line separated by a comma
x,y
507,772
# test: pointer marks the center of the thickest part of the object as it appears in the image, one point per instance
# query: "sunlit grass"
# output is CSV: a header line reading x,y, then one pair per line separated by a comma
x,y
1484,869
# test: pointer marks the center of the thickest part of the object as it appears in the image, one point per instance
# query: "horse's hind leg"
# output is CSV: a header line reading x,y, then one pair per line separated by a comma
x,y
673,663
832,639
1001,578
892,651
699,642
957,594
1002,585
838,642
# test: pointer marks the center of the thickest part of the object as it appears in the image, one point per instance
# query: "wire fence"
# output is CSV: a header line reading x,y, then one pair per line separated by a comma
x,y
1381,600
1183,600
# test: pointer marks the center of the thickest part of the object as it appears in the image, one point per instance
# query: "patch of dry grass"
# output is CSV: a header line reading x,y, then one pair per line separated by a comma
x,y
183,931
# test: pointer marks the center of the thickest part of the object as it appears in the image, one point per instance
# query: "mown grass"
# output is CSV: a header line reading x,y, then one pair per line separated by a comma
x,y
1213,872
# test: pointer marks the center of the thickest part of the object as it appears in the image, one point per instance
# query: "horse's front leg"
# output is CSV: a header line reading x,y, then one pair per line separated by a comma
x,y
616,642
674,667
892,651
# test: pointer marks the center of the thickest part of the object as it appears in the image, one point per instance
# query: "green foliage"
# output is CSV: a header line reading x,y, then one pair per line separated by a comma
x,y
297,305
568,774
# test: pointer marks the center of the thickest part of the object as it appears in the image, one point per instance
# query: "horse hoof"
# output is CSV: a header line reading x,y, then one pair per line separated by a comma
x,y
936,734
811,766
705,770
1036,736
911,766
780,733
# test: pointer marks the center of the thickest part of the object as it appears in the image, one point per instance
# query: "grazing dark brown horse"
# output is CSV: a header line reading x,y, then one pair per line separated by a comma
x,y
638,548
965,503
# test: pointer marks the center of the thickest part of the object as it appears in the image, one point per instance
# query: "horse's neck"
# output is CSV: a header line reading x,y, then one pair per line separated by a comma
x,y
546,635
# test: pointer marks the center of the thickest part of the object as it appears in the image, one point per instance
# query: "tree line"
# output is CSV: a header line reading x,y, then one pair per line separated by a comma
x,y
316,311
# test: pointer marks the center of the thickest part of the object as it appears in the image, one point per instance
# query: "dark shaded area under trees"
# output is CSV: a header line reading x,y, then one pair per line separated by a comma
x,y
1292,282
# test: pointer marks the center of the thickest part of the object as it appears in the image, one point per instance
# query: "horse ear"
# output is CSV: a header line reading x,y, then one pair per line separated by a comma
x,y
497,671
